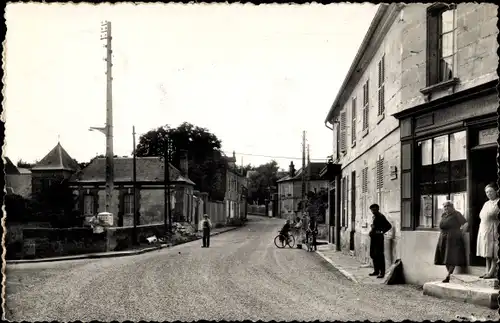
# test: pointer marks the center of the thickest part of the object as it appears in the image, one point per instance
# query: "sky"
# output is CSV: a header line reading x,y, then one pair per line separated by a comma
x,y
255,76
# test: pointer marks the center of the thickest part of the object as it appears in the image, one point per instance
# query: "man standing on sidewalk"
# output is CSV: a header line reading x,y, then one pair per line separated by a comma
x,y
379,227
205,227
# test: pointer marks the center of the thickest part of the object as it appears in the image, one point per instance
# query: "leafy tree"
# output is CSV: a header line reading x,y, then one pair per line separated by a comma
x,y
205,160
261,180
243,170
22,164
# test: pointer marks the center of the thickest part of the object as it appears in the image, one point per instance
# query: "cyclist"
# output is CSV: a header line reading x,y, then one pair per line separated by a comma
x,y
312,231
285,230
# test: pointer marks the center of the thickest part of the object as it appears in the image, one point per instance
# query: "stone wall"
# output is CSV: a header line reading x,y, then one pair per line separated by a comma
x,y
50,242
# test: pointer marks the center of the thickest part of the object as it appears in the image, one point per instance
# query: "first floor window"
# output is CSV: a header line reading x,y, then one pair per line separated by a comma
x,y
88,204
128,204
442,176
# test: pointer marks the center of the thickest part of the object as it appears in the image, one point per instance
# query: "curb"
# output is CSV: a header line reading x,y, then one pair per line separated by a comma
x,y
111,254
344,272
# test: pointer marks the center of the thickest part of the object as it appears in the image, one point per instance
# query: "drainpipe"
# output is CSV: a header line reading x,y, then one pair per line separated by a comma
x,y
326,125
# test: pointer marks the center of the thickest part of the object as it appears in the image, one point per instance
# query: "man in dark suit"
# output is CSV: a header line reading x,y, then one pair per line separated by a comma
x,y
379,227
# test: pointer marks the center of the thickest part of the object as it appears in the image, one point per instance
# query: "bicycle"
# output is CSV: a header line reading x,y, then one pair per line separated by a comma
x,y
280,242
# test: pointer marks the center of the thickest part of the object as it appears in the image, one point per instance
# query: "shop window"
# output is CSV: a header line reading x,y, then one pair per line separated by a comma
x,y
442,176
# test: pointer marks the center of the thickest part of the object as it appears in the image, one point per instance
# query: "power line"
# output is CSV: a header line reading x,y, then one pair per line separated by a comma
x,y
276,157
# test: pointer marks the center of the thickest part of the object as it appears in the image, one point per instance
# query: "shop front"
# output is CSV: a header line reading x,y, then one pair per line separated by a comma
x,y
448,152
332,172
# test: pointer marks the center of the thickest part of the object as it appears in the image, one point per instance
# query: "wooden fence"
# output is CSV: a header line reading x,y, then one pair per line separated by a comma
x,y
216,212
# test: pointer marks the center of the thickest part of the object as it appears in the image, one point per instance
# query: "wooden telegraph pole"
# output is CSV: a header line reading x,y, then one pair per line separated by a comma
x,y
168,208
108,129
134,180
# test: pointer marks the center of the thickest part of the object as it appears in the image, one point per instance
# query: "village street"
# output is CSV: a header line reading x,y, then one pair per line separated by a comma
x,y
241,276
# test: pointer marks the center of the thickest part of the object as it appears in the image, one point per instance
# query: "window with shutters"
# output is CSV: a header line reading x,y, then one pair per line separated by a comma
x,y
343,132
380,173
366,105
441,48
353,122
364,180
381,88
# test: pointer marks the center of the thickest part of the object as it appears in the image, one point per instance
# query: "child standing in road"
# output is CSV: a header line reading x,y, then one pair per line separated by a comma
x,y
205,226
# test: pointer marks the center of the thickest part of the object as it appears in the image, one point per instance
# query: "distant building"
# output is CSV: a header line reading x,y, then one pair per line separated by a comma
x,y
17,180
89,184
290,187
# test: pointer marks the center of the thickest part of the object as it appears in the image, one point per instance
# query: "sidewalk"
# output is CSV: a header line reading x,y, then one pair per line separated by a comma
x,y
111,254
348,265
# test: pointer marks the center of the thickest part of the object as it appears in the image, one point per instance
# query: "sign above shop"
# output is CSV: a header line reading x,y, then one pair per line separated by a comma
x,y
488,136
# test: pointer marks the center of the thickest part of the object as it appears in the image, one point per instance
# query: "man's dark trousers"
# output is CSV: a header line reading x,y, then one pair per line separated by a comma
x,y
377,253
206,237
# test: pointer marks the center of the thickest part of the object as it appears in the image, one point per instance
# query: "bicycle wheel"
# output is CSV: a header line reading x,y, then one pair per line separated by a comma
x,y
279,241
291,241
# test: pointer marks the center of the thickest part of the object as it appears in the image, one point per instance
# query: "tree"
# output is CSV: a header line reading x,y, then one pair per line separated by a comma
x,y
261,180
22,164
243,170
205,160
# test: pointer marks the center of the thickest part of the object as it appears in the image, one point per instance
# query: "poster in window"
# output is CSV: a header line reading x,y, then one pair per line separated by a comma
x,y
440,149
459,202
438,207
425,220
426,206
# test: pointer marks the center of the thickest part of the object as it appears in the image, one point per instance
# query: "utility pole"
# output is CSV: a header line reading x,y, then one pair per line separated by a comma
x,y
108,129
308,183
134,180
167,209
303,175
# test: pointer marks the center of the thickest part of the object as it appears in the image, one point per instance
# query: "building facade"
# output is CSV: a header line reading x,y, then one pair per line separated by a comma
x,y
17,179
235,196
418,100
290,188
89,185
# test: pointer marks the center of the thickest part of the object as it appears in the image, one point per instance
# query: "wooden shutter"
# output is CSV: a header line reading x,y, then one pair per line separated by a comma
x,y
381,81
343,132
407,219
365,105
364,180
353,122
380,173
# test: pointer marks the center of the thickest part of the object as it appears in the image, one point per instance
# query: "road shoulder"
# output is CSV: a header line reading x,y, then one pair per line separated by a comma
x,y
112,254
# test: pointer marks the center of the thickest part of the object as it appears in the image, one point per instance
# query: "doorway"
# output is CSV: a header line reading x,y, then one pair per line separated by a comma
x,y
483,170
331,215
353,211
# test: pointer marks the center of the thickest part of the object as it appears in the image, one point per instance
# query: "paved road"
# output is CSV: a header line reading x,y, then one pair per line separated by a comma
x,y
242,276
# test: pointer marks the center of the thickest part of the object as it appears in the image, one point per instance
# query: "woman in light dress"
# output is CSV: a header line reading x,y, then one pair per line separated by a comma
x,y
487,239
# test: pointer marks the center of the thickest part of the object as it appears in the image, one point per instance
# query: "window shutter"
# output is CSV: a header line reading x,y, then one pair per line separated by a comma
x,y
364,180
365,105
343,132
380,173
353,122
381,87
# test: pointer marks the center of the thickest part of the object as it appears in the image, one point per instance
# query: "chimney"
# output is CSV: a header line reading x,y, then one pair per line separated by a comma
x,y
183,162
291,171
